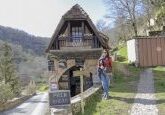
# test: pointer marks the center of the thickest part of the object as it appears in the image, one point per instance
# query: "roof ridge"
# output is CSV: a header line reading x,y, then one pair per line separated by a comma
x,y
78,9
81,9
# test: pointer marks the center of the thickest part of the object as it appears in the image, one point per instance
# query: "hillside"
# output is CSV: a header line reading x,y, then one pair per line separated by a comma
x,y
29,43
28,51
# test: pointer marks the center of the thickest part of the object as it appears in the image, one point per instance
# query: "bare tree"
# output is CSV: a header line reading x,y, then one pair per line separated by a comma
x,y
148,12
129,9
155,8
101,25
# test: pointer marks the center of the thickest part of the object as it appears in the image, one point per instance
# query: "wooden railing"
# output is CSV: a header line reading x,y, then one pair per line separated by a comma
x,y
75,42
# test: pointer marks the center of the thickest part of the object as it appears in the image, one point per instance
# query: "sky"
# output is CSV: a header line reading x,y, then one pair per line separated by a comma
x,y
40,17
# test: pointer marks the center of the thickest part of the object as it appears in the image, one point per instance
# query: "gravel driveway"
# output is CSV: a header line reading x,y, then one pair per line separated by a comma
x,y
145,101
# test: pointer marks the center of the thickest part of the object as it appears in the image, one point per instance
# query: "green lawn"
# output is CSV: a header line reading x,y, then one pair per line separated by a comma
x,y
123,90
159,77
122,54
123,51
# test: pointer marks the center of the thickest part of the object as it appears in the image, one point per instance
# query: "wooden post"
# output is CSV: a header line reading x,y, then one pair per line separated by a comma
x,y
69,32
82,95
81,73
56,43
82,27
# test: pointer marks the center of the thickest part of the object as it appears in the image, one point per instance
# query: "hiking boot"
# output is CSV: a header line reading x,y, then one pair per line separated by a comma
x,y
108,97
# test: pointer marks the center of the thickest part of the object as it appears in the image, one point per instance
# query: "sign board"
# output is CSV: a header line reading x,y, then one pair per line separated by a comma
x,y
59,98
53,86
79,73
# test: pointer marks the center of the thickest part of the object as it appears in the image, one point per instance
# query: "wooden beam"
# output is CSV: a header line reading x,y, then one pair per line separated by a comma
x,y
82,25
94,41
55,35
69,32
56,44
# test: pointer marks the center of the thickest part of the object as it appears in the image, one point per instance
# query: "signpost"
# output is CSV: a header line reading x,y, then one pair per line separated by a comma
x,y
81,73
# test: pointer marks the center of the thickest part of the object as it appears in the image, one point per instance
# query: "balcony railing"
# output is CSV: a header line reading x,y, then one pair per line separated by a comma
x,y
86,41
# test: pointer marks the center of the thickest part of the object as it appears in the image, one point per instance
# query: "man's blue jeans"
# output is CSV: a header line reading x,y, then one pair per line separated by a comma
x,y
105,82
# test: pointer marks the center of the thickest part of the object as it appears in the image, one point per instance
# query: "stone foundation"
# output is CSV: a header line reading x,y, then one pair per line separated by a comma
x,y
76,101
90,66
13,103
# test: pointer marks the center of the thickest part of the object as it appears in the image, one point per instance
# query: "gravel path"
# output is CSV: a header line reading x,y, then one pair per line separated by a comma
x,y
145,101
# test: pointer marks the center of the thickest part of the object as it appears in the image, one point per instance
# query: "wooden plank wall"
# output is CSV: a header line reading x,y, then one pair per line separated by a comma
x,y
151,51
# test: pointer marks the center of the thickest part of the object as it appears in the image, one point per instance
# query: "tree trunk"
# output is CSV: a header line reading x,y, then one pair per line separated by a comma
x,y
135,28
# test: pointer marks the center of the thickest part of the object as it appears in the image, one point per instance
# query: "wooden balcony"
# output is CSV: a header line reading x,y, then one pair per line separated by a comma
x,y
86,42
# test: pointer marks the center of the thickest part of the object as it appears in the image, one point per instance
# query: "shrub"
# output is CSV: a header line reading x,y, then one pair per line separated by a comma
x,y
5,93
121,58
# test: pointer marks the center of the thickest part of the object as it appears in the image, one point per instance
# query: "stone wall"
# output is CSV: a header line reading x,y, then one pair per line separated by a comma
x,y
60,71
76,102
13,103
90,67
88,94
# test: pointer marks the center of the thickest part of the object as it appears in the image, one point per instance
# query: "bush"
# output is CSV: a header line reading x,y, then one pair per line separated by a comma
x,y
42,87
5,93
121,58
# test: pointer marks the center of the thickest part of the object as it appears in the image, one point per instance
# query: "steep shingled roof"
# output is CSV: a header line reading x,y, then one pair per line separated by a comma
x,y
77,12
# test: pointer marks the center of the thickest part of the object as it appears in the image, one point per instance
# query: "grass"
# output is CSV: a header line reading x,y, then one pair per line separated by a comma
x,y
159,68
159,78
122,54
123,89
123,51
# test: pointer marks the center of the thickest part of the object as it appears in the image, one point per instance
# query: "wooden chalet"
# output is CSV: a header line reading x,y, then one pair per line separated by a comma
x,y
75,43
